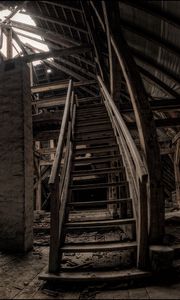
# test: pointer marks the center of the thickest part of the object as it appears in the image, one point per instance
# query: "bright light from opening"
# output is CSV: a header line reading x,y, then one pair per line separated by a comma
x,y
49,71
23,35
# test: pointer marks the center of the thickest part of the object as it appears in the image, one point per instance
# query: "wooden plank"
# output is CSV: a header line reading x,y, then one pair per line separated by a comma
x,y
97,223
95,247
57,85
97,160
123,275
99,171
94,141
97,185
99,202
53,53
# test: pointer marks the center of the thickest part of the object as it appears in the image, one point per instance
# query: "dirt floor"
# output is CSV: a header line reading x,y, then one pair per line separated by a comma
x,y
19,274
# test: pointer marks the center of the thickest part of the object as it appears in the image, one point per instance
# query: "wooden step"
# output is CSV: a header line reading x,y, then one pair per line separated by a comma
x,y
91,124
91,110
97,224
98,171
100,159
97,149
96,247
92,118
90,106
99,202
96,133
95,141
91,129
96,276
97,185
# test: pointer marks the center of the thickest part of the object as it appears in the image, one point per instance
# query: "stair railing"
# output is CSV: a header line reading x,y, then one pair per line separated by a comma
x,y
60,177
136,172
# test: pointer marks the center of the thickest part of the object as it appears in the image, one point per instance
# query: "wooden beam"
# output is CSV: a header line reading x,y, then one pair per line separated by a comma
x,y
156,105
110,50
159,82
150,36
70,7
57,85
9,43
71,73
54,53
145,124
52,36
155,12
160,123
58,21
151,62
93,34
82,70
54,46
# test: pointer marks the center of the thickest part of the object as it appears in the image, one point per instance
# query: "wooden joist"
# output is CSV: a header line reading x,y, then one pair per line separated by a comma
x,y
57,85
156,105
53,53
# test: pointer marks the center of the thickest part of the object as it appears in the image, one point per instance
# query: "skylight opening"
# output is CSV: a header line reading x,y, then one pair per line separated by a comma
x,y
25,37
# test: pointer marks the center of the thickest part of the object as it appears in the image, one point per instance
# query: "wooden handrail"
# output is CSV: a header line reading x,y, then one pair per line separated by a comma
x,y
59,179
137,174
59,150
140,165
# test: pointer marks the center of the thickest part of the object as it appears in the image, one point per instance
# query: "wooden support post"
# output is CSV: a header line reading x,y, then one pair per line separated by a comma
x,y
9,44
39,194
52,155
144,121
177,171
38,200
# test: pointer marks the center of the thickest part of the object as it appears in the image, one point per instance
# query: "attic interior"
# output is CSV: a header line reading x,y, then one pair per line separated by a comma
x,y
90,149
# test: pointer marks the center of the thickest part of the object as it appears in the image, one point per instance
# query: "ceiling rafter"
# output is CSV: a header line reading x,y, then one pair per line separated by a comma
x,y
158,82
63,5
151,62
165,16
86,72
71,73
156,105
47,34
154,38
53,53
57,21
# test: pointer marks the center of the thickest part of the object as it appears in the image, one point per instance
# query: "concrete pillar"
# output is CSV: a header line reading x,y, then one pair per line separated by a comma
x,y
16,158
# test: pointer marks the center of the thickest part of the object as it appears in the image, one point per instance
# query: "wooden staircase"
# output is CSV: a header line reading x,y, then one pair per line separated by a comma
x,y
95,199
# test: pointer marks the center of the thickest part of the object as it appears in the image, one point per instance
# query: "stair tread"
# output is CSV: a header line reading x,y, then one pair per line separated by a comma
x,y
100,222
93,124
95,141
89,203
110,275
93,247
95,171
97,185
97,157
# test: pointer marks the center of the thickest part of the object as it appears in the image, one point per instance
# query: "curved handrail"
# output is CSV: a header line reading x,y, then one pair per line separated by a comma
x,y
140,165
136,171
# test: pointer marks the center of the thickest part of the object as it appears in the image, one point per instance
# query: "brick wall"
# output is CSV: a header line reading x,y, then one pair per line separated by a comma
x,y
16,158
